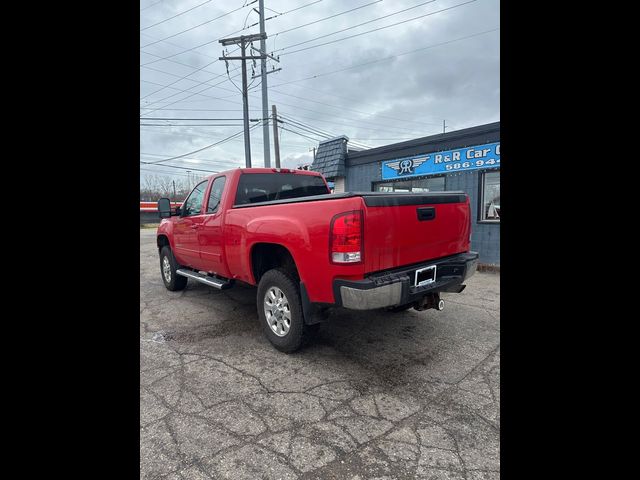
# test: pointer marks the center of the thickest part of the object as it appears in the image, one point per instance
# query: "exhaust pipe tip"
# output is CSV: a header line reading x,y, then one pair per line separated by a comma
x,y
441,305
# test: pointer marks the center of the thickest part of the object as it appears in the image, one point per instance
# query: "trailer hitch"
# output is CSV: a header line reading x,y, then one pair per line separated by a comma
x,y
430,300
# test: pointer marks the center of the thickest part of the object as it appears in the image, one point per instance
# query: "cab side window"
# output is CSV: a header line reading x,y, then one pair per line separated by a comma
x,y
216,194
193,204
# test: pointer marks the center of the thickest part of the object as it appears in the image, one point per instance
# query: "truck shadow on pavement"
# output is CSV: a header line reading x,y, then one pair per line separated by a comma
x,y
379,339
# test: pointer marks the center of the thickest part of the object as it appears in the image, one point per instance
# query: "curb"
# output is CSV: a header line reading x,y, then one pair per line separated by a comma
x,y
488,268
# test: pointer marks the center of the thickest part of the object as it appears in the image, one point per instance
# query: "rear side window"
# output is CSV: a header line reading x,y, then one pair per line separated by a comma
x,y
216,194
265,187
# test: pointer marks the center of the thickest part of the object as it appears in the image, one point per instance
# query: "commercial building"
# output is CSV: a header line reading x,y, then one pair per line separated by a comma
x,y
466,160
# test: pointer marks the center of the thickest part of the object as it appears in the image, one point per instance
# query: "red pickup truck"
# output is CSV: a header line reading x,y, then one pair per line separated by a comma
x,y
308,250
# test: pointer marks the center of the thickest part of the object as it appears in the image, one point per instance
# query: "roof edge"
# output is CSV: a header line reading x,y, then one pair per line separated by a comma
x,y
343,137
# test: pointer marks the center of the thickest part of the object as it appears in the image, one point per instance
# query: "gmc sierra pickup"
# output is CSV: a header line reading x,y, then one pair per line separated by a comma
x,y
308,250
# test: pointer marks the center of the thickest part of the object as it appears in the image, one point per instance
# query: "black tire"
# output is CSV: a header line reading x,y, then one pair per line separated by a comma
x,y
176,282
399,308
298,333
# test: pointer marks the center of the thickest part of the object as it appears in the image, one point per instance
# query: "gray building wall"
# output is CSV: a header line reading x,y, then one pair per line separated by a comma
x,y
360,177
485,237
364,168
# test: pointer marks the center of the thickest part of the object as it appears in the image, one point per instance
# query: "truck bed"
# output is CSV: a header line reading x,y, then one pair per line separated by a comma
x,y
377,199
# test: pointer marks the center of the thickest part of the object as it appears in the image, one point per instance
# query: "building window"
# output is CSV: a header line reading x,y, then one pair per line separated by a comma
x,y
490,195
432,184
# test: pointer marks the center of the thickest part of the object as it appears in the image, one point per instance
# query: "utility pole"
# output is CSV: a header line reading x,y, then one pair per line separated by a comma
x,y
174,190
314,153
243,40
265,99
444,126
276,140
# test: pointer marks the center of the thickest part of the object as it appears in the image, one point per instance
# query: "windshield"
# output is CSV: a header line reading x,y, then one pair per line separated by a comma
x,y
265,187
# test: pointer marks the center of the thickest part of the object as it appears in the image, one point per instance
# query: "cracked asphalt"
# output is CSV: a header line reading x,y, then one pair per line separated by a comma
x,y
377,395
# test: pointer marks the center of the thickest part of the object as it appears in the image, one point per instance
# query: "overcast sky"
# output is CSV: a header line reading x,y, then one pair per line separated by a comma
x,y
379,103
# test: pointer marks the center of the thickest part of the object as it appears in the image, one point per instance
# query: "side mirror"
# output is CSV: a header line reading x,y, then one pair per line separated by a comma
x,y
164,208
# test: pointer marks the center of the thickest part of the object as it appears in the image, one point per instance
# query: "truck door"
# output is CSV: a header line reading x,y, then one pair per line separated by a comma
x,y
185,232
210,235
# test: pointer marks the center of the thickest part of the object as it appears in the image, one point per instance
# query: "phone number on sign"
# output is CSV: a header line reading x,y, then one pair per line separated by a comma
x,y
477,163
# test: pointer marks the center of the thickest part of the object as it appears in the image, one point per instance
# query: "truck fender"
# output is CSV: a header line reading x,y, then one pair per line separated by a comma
x,y
165,230
289,233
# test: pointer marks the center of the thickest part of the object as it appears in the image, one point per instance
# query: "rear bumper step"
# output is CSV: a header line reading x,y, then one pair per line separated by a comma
x,y
397,287
214,282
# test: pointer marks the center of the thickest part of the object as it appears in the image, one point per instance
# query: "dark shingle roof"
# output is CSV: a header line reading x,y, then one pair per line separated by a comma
x,y
330,157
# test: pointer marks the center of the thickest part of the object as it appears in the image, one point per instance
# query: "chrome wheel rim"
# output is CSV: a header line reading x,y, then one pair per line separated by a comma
x,y
277,311
166,269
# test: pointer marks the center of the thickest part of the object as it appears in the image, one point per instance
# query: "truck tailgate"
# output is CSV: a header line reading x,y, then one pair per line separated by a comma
x,y
402,229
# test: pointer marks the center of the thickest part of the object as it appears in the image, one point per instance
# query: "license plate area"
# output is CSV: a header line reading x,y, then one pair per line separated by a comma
x,y
425,276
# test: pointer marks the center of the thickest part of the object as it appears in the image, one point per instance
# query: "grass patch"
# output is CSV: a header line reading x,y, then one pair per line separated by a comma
x,y
149,225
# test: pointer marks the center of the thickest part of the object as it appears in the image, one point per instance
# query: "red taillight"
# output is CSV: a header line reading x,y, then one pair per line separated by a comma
x,y
345,238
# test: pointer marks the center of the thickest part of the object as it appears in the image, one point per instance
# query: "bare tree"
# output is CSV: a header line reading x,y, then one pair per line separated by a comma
x,y
157,186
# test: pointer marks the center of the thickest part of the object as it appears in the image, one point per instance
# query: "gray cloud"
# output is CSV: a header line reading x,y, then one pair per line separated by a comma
x,y
458,82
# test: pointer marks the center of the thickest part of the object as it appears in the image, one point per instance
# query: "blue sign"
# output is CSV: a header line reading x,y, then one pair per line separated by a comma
x,y
448,161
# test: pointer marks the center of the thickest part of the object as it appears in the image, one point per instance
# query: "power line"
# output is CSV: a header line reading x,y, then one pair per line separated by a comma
x,y
376,29
199,25
224,99
364,103
361,123
200,149
193,94
315,140
149,6
356,26
311,128
237,134
352,110
177,63
200,134
308,130
202,69
196,161
181,168
358,126
190,125
224,36
344,69
189,119
176,54
164,172
197,84
320,74
297,107
172,44
174,16
147,154
205,109
184,77
325,18
376,139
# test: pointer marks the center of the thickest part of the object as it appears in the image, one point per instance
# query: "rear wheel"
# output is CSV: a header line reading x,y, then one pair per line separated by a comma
x,y
168,267
280,311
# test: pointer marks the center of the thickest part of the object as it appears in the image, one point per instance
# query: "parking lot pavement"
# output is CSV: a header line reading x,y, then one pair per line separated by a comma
x,y
376,395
